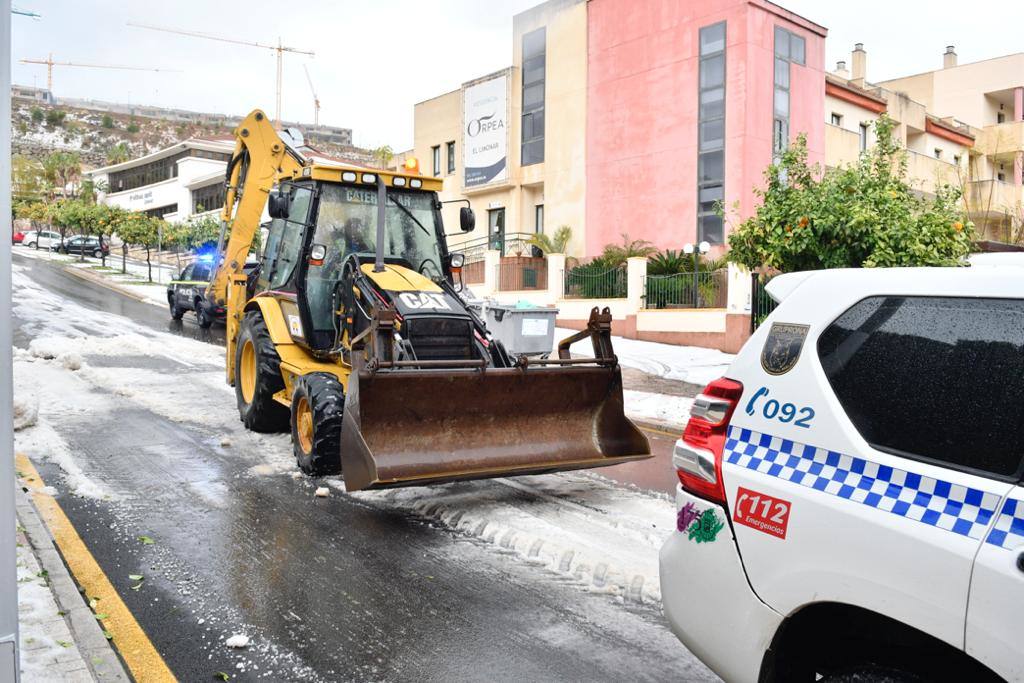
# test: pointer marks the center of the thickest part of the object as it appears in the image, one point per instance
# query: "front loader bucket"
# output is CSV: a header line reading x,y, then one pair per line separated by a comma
x,y
411,427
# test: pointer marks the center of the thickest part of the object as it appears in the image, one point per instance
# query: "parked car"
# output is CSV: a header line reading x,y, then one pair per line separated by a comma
x,y
187,292
84,244
17,237
42,239
854,479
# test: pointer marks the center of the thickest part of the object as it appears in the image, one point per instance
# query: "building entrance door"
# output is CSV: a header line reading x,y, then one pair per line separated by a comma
x,y
496,229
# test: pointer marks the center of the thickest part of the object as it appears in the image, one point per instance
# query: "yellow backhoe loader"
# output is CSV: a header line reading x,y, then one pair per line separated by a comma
x,y
353,334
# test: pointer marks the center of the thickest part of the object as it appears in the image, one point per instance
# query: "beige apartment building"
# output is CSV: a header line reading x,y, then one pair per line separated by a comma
x,y
512,142
962,125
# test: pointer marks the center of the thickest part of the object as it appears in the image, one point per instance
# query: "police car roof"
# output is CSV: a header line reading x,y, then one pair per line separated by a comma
x,y
897,280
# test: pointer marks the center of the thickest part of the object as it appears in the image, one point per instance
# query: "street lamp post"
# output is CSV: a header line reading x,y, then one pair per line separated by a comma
x,y
688,248
696,250
8,571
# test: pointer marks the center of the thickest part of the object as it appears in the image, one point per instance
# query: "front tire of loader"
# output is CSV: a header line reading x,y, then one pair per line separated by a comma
x,y
258,377
318,404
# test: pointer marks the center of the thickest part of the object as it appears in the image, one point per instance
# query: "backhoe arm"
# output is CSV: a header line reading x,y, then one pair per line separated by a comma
x,y
259,161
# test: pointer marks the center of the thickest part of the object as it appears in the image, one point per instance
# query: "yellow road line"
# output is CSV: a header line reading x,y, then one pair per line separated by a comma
x,y
144,662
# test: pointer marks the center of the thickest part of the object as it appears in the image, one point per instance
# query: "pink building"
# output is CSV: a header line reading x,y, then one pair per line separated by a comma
x,y
686,104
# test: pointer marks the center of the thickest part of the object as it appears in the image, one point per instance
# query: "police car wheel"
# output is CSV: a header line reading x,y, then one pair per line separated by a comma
x,y
203,317
258,377
176,312
318,403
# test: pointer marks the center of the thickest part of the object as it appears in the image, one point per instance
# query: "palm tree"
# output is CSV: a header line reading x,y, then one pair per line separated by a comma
x,y
119,153
618,253
554,244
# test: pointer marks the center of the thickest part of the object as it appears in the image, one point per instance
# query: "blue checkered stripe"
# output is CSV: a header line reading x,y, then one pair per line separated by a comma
x,y
1008,531
942,504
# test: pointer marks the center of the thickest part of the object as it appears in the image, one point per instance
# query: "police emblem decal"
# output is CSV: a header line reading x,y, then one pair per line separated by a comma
x,y
782,348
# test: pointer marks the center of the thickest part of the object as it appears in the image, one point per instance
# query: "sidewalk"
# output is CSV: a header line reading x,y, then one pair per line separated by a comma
x,y
60,639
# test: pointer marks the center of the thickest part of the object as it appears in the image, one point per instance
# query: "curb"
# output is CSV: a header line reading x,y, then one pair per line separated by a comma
x,y
102,282
663,428
99,655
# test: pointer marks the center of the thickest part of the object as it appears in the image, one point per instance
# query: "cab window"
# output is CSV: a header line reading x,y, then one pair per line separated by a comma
x,y
186,274
290,243
939,379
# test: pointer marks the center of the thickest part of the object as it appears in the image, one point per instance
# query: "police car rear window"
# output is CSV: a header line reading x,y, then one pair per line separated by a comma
x,y
935,378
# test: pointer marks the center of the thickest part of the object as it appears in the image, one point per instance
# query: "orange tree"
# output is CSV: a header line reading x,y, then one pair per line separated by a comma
x,y
865,214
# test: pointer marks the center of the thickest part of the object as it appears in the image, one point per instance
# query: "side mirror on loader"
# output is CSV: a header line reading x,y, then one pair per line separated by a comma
x,y
278,204
467,219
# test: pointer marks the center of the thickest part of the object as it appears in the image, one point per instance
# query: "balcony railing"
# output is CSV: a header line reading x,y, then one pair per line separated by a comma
x,y
993,196
1002,140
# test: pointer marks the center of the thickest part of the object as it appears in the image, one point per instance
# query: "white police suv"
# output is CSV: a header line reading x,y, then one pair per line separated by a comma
x,y
851,503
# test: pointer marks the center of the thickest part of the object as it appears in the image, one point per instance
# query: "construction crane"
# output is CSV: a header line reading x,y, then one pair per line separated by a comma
x,y
316,100
279,49
50,64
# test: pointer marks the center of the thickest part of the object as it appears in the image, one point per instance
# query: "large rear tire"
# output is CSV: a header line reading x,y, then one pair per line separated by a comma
x,y
258,377
318,404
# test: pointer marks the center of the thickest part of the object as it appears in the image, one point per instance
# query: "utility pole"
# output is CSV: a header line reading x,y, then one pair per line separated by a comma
x,y
9,669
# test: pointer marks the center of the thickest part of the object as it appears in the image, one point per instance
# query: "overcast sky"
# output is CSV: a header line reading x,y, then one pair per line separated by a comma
x,y
374,60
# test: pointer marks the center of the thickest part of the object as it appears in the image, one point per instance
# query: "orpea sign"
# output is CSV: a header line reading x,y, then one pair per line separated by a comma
x,y
485,136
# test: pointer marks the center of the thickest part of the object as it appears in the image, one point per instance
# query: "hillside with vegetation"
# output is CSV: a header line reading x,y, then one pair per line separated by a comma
x,y
100,138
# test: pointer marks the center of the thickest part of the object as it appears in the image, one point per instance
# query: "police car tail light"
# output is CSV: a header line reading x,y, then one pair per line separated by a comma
x,y
697,456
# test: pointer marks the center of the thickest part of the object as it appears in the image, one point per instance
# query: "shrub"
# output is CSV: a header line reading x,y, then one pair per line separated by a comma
x,y
55,118
107,121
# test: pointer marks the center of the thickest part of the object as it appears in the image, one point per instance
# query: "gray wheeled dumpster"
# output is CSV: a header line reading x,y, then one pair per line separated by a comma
x,y
522,328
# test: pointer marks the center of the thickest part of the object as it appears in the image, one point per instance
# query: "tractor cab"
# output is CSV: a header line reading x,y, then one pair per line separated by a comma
x,y
323,233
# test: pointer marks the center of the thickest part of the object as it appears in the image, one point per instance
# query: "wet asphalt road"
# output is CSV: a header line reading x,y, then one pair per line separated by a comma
x,y
328,589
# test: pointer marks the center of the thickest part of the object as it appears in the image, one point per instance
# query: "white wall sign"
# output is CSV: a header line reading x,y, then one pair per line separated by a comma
x,y
535,327
485,136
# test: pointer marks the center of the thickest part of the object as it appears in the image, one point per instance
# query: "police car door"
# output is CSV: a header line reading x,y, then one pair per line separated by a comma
x,y
852,463
996,603
182,288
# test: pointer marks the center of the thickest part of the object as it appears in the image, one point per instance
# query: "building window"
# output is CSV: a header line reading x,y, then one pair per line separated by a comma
x,y
1001,177
538,219
956,159
789,46
208,198
789,49
837,119
711,134
451,157
938,153
435,156
534,66
1000,117
162,211
863,137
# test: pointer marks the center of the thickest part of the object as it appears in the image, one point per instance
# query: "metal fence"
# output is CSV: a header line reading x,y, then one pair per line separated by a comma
x,y
760,303
510,244
473,272
708,289
515,273
594,282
